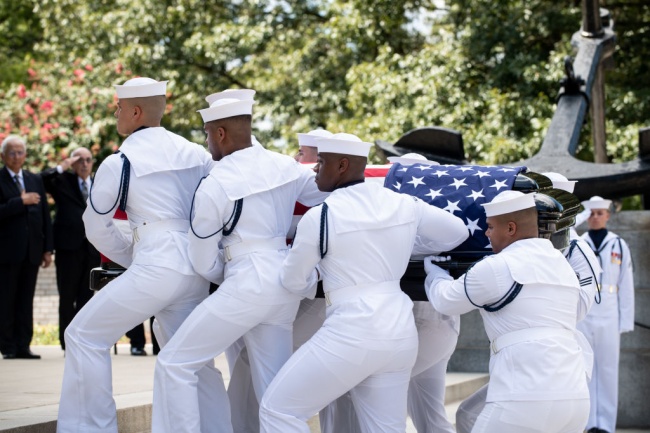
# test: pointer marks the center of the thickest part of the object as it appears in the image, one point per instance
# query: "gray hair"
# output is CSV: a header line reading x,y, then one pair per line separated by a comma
x,y
12,139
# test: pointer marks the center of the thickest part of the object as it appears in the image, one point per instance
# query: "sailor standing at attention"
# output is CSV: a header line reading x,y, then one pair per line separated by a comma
x,y
606,321
528,296
152,179
242,214
359,241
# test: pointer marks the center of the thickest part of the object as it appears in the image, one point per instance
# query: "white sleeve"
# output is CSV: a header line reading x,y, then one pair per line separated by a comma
x,y
626,291
450,297
309,194
203,249
101,230
438,230
298,274
585,264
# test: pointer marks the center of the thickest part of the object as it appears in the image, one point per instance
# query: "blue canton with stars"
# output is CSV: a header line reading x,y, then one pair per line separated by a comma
x,y
458,189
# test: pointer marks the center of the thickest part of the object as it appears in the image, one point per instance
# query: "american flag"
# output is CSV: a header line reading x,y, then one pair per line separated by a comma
x,y
458,189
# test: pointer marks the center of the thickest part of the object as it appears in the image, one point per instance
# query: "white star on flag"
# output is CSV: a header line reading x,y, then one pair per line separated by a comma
x,y
458,183
403,169
476,194
424,167
434,193
441,173
505,170
482,173
397,185
452,207
415,181
498,184
489,245
472,225
465,168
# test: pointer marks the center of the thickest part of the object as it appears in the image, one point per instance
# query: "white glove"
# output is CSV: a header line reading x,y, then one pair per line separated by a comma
x,y
434,271
582,217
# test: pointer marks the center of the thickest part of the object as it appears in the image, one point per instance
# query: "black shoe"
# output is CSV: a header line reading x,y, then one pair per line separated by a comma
x,y
27,354
8,356
136,351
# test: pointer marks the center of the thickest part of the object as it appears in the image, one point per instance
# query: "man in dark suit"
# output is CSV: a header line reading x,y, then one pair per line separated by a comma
x,y
75,256
25,243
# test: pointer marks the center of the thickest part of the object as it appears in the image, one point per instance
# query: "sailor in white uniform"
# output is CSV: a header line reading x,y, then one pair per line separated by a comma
x,y
242,214
585,265
359,241
528,296
152,178
606,321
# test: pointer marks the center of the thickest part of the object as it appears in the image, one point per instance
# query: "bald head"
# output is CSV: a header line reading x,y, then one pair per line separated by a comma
x,y
506,229
134,113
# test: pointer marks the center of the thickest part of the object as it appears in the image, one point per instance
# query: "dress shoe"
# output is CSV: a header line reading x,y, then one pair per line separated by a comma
x,y
136,351
8,356
27,354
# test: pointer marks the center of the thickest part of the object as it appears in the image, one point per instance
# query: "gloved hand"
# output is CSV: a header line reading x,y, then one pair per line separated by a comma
x,y
434,271
582,217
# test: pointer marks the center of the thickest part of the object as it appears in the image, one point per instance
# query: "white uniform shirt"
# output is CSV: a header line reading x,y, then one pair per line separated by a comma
x,y
617,282
587,267
371,235
165,170
270,185
544,369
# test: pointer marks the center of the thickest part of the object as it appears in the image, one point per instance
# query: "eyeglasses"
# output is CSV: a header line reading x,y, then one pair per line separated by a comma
x,y
86,160
15,153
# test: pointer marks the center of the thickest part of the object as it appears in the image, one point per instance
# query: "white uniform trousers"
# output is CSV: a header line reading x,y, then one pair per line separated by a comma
x,y
87,403
546,416
605,340
211,328
437,338
325,368
470,409
244,407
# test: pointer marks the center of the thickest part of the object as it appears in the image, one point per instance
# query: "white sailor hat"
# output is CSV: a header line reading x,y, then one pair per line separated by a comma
x,y
309,139
241,94
508,202
560,182
140,87
227,107
597,202
411,159
344,144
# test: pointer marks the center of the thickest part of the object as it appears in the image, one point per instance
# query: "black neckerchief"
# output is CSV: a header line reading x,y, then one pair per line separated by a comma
x,y
598,236
139,129
345,185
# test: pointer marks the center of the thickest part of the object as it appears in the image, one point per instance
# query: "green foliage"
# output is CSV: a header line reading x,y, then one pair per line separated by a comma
x,y
45,335
488,69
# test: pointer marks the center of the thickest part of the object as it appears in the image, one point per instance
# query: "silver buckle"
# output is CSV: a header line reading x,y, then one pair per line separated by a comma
x,y
226,254
493,346
327,299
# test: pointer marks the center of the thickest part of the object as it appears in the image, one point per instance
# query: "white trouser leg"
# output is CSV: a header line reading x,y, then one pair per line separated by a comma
x,y
605,341
437,338
327,366
470,409
244,407
309,319
339,416
556,416
426,400
213,326
87,403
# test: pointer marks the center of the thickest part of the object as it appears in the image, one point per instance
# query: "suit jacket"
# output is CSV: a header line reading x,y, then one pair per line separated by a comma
x,y
69,231
25,231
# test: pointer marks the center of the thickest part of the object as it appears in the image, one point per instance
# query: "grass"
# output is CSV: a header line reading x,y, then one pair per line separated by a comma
x,y
48,335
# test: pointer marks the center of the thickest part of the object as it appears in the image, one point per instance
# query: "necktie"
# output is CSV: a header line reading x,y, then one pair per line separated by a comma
x,y
18,184
84,190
